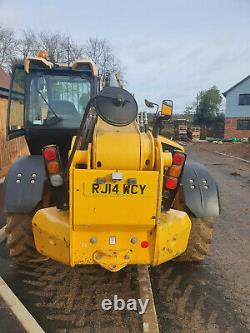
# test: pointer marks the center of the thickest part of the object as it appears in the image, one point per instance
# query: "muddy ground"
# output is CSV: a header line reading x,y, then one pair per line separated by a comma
x,y
238,149
189,298
213,296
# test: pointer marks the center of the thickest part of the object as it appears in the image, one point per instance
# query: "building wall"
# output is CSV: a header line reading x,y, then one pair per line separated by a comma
x,y
231,128
233,109
235,112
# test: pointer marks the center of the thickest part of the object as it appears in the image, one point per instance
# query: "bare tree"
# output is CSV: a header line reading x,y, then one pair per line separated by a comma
x,y
28,44
54,44
7,47
100,51
60,48
73,50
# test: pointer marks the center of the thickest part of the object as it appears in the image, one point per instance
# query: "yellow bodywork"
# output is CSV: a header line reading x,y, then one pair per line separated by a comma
x,y
171,143
114,221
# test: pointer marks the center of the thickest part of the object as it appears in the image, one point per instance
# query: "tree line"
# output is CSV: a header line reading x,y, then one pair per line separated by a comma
x,y
61,48
206,109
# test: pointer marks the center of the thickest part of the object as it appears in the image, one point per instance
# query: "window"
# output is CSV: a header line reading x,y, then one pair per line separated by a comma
x,y
75,90
243,124
244,99
16,106
58,96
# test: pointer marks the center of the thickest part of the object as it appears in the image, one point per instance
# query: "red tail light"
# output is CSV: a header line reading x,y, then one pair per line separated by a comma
x,y
49,153
171,183
178,158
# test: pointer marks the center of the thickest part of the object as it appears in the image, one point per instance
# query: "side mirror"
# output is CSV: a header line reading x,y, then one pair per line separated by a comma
x,y
165,114
149,104
167,108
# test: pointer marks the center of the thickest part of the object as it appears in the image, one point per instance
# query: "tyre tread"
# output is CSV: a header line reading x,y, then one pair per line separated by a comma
x,y
20,240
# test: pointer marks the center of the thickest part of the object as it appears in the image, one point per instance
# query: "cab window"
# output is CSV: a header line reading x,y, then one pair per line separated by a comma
x,y
16,101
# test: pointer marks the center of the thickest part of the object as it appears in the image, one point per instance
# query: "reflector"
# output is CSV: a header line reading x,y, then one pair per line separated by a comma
x,y
144,244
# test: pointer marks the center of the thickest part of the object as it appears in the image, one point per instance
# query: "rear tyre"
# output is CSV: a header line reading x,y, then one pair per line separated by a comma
x,y
20,240
199,240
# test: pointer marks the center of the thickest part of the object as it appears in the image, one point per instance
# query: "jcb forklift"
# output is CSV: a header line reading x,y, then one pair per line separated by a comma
x,y
97,188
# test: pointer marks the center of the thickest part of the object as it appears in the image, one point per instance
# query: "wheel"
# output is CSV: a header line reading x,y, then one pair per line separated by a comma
x,y
20,240
200,236
199,240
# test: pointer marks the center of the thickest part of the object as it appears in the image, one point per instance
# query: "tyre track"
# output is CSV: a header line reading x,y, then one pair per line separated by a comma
x,y
188,301
71,298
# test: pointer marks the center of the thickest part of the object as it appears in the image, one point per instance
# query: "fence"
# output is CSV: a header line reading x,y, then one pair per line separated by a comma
x,y
9,150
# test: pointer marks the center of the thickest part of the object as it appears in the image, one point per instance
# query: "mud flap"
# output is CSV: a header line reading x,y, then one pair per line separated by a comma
x,y
200,191
25,185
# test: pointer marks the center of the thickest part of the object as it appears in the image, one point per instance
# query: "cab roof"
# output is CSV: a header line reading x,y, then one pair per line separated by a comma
x,y
84,65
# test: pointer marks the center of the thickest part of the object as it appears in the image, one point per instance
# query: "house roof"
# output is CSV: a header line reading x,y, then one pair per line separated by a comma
x,y
227,91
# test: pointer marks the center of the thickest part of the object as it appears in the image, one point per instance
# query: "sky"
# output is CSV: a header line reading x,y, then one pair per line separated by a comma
x,y
168,49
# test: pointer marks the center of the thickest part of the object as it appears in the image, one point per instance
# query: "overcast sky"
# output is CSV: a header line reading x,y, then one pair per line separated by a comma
x,y
169,49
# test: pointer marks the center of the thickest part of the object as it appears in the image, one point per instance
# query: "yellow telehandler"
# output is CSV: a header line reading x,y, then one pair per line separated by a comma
x,y
99,188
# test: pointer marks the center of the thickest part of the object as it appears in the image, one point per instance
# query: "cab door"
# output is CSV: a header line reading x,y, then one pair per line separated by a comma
x,y
16,104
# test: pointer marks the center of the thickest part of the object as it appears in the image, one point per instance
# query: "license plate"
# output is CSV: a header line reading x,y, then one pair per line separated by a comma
x,y
116,189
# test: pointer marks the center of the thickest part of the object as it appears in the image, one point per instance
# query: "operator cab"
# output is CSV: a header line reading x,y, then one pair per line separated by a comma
x,y
47,102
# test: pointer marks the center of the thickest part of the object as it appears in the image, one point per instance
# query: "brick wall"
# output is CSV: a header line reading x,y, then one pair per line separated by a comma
x,y
231,129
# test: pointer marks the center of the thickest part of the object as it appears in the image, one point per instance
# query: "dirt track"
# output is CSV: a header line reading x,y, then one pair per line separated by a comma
x,y
238,149
212,297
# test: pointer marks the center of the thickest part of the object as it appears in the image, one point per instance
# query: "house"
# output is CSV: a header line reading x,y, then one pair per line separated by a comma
x,y
237,115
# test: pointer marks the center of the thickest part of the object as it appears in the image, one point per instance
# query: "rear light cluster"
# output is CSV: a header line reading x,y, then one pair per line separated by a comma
x,y
174,172
172,179
53,165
